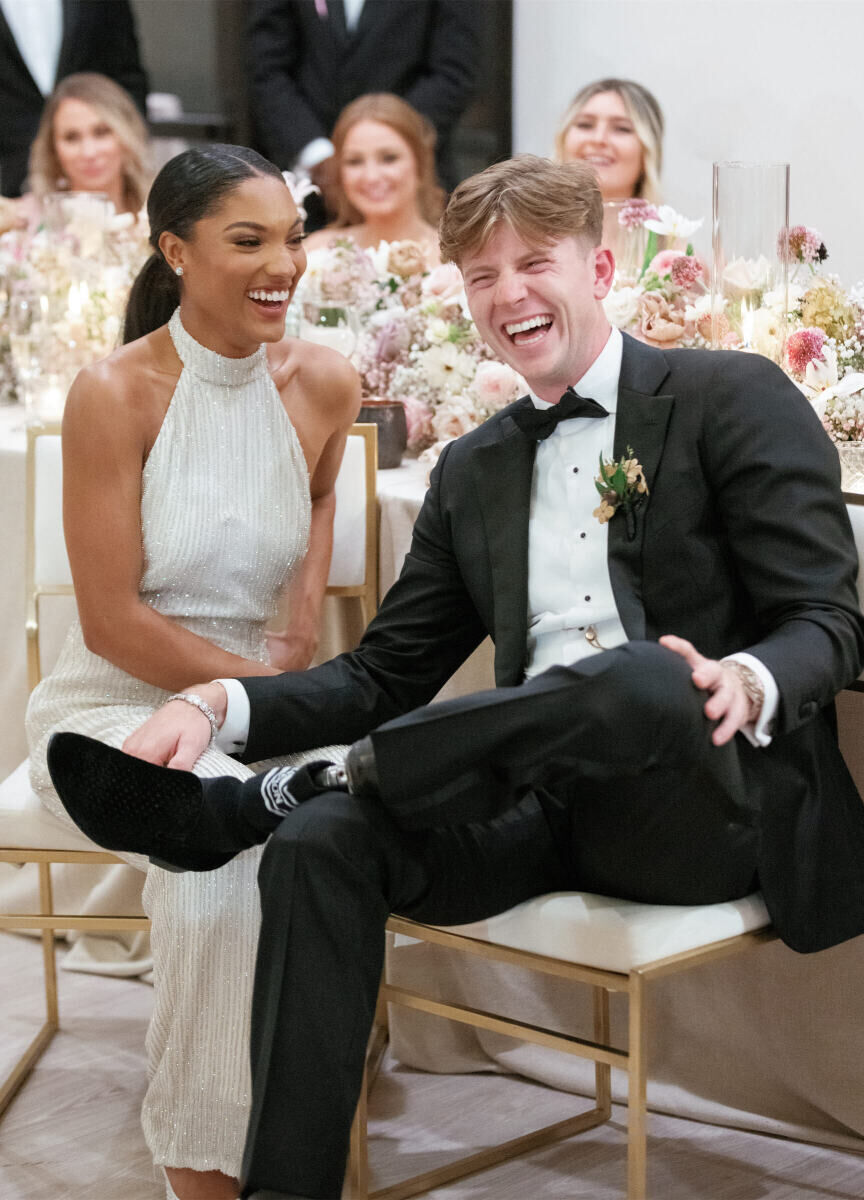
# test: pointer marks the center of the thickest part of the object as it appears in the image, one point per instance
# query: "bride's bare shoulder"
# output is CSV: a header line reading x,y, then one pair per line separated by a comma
x,y
135,380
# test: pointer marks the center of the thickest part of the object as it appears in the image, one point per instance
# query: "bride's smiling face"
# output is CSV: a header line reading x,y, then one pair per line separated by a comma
x,y
378,170
241,267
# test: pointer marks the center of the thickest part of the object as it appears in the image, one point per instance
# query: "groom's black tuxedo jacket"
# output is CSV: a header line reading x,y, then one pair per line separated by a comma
x,y
743,544
96,37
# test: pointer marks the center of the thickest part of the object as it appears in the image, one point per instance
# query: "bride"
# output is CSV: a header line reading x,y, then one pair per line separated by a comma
x,y
199,467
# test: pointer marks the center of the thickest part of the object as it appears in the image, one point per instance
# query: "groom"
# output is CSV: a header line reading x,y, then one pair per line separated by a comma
x,y
662,728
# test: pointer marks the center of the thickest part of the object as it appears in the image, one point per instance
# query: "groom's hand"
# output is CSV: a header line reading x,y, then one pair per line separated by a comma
x,y
728,702
178,733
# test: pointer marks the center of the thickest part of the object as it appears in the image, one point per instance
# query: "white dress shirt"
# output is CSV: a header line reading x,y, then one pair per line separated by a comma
x,y
37,26
569,590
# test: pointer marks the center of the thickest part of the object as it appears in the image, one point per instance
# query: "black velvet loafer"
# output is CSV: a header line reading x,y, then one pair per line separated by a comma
x,y
124,803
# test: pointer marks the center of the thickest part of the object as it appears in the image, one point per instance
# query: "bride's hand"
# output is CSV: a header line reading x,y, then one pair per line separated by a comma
x,y
291,650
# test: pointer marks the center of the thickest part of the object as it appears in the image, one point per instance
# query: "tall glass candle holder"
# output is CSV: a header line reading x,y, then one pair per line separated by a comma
x,y
749,279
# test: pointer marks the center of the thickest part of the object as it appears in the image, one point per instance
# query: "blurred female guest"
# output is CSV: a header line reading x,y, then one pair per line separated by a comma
x,y
91,139
385,155
616,126
199,468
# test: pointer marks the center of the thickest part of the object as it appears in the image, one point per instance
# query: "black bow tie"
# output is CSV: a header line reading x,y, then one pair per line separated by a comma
x,y
538,423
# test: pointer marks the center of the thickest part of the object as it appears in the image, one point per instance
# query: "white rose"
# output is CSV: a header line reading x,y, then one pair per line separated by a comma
x,y
496,384
765,332
622,306
437,331
747,274
451,420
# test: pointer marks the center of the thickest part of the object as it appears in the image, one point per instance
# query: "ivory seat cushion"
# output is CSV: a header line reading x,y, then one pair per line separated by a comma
x,y
615,935
25,824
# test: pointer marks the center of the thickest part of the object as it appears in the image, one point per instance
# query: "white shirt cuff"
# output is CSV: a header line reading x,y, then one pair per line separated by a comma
x,y
315,152
234,733
757,733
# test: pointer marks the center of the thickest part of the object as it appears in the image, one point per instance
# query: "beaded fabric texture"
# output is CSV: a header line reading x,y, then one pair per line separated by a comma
x,y
225,515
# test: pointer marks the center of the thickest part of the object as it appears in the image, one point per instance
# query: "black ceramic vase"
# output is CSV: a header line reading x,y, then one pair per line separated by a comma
x,y
389,416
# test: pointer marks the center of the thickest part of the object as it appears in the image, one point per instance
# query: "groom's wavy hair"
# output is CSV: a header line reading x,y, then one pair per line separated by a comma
x,y
190,186
541,201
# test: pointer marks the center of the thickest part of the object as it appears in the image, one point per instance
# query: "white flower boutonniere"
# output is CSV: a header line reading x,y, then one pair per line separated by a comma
x,y
622,487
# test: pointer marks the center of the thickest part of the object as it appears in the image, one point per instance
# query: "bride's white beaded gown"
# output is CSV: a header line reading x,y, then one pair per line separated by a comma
x,y
225,513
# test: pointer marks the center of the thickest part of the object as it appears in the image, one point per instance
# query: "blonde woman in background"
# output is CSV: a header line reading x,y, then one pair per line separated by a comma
x,y
91,139
388,191
616,126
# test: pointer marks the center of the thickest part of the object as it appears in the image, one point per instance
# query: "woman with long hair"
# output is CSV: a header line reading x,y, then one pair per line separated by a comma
x,y
616,126
199,466
91,139
385,160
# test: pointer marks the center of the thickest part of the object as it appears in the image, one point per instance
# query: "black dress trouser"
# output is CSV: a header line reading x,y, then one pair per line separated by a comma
x,y
597,777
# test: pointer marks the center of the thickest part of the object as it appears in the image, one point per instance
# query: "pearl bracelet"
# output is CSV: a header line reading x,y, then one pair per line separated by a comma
x,y
201,704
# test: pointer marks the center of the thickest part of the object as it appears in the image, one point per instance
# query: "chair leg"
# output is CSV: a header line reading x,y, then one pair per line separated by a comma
x,y
602,1071
358,1156
41,1041
637,1093
49,956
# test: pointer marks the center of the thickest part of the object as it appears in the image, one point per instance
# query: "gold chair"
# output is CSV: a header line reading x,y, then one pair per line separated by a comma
x,y
607,944
354,562
28,833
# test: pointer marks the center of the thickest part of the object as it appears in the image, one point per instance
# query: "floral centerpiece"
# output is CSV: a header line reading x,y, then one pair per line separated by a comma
x,y
663,301
417,342
66,294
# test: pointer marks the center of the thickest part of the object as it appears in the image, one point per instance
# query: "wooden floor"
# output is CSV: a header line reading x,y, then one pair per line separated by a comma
x,y
73,1134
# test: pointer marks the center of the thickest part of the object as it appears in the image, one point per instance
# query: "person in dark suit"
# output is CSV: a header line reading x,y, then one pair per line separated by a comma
x,y
93,36
309,58
666,662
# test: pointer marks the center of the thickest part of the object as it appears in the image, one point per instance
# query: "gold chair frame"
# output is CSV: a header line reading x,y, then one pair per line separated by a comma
x,y
45,919
598,1049
367,591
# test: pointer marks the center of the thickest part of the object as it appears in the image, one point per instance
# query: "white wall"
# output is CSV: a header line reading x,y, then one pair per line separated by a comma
x,y
758,80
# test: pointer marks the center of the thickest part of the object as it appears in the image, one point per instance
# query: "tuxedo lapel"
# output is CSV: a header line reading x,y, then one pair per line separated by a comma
x,y
502,474
65,59
641,423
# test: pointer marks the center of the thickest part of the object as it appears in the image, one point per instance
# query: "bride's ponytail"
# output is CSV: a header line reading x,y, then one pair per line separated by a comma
x,y
190,186
152,299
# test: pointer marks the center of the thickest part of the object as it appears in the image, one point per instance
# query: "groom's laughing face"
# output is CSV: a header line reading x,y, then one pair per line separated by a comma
x,y
539,306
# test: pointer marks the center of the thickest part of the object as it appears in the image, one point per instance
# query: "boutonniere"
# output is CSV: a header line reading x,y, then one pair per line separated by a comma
x,y
622,487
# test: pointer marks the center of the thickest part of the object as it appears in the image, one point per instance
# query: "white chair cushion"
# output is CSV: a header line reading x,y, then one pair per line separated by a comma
x,y
26,825
51,565
348,562
614,935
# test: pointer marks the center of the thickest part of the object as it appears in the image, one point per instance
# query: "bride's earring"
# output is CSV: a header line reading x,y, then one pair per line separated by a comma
x,y
178,270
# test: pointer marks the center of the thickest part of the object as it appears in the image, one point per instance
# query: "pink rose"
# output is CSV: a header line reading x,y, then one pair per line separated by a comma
x,y
444,283
451,421
661,323
496,384
418,418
